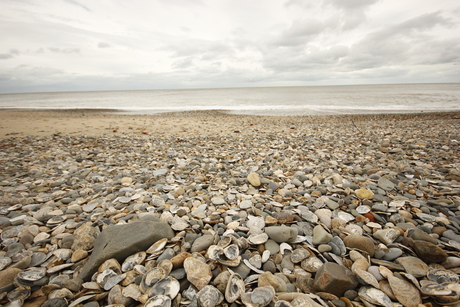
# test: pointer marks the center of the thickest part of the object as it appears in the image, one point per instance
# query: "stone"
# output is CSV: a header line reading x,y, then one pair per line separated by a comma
x,y
429,252
281,234
413,266
364,193
385,184
6,279
321,236
202,243
268,279
418,234
254,179
386,236
121,241
198,273
334,278
85,236
360,242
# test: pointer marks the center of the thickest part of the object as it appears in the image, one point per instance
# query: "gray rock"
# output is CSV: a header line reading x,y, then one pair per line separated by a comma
x,y
393,253
281,234
321,236
120,241
450,234
202,243
385,184
418,234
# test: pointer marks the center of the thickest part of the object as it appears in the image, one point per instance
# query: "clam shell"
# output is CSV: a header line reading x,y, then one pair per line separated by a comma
x,y
367,278
152,277
159,301
32,274
209,296
433,288
261,296
132,261
4,262
252,267
19,293
442,276
157,246
235,288
374,296
232,251
363,209
168,286
406,293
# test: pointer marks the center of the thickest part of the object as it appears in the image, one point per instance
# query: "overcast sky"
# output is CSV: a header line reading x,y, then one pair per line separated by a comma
x,y
67,45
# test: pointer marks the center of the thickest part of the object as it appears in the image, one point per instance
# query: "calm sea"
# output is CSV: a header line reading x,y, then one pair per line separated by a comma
x,y
306,100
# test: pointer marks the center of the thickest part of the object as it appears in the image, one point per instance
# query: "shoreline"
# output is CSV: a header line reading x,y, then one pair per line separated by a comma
x,y
98,122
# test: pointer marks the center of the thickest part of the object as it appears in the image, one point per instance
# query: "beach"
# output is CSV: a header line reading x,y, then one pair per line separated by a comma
x,y
218,209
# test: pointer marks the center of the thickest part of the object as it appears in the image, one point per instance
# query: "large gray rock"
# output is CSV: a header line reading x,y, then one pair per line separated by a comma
x,y
121,241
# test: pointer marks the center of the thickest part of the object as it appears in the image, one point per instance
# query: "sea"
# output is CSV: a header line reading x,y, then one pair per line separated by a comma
x,y
284,101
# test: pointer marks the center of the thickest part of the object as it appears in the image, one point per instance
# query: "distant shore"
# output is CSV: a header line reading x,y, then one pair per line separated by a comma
x,y
96,122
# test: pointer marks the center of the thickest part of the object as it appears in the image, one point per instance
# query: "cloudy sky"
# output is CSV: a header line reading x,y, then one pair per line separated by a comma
x,y
73,45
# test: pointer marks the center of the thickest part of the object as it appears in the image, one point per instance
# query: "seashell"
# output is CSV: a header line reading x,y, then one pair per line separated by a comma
x,y
298,239
41,236
405,292
209,296
32,274
374,296
367,278
385,272
109,278
454,244
363,209
157,246
256,261
258,239
159,301
261,296
63,253
266,256
412,279
284,247
282,303
168,286
311,264
19,293
442,276
225,241
110,264
433,288
151,278
133,260
347,217
166,265
249,265
58,268
215,252
56,220
132,291
232,251
235,288
4,262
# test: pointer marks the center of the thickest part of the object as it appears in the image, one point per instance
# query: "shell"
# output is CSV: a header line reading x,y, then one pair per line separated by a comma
x,y
209,296
232,251
235,288
442,276
32,274
374,296
132,261
168,286
151,278
159,301
258,239
367,277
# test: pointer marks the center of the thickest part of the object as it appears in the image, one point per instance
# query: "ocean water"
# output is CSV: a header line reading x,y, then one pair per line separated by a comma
x,y
286,101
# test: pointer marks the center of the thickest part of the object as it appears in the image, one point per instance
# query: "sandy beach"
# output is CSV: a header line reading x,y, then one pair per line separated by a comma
x,y
212,209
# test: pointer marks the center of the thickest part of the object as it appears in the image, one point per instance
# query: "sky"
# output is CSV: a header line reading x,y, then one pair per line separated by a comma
x,y
87,45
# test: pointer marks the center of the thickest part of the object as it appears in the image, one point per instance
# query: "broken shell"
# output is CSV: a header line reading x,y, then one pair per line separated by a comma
x,y
159,301
232,251
209,296
442,276
132,261
235,288
168,286
151,278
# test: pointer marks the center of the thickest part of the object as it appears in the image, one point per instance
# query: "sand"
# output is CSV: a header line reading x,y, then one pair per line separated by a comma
x,y
18,123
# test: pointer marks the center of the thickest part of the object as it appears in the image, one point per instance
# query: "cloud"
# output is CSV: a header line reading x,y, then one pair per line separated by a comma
x,y
103,45
64,50
12,53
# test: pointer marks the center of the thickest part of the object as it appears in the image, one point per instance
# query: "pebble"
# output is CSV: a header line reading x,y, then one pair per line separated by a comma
x,y
338,215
